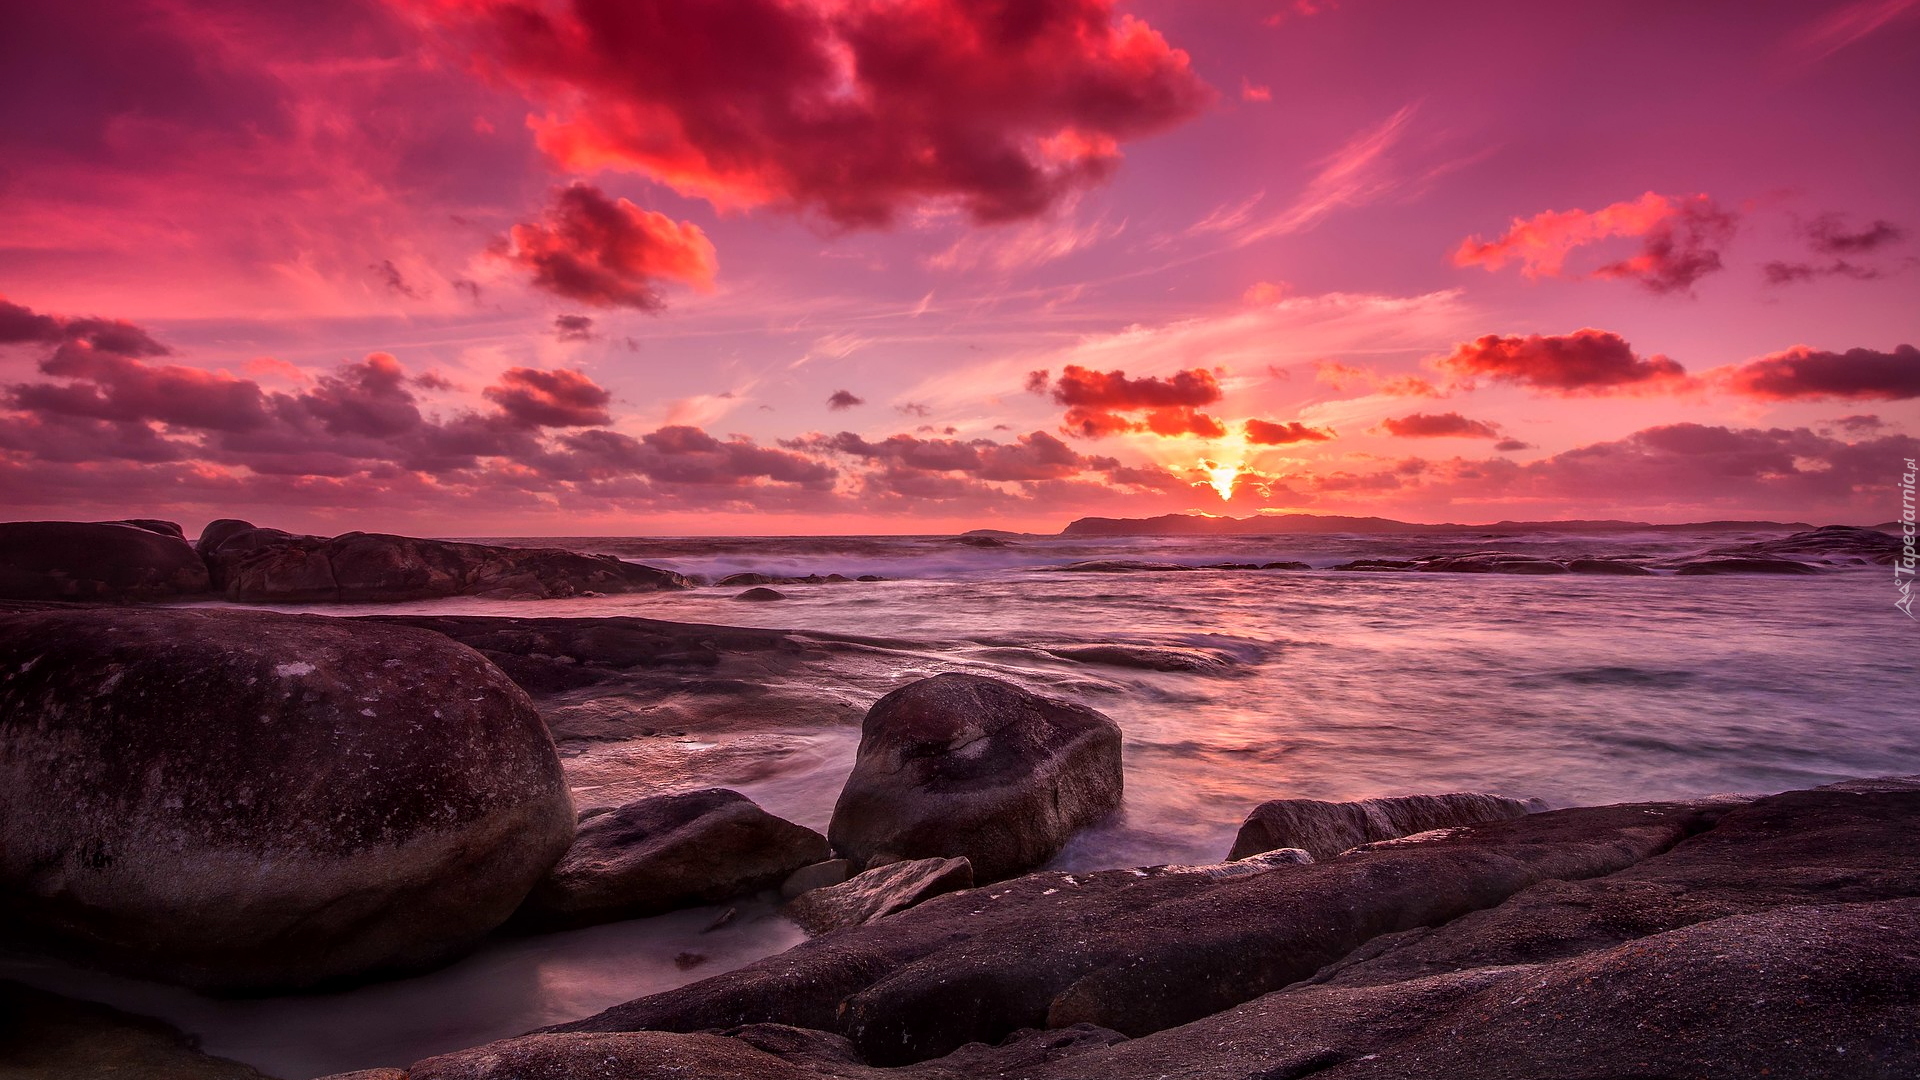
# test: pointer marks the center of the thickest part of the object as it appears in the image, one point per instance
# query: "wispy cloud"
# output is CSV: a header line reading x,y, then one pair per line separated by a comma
x,y
1844,26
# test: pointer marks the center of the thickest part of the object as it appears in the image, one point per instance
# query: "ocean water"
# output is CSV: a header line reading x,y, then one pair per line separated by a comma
x,y
1574,689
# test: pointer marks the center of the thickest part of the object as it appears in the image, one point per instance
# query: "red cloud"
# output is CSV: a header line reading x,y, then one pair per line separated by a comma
x,y
1439,426
1583,363
1267,433
1035,456
609,252
1096,400
557,398
1801,373
855,110
1681,238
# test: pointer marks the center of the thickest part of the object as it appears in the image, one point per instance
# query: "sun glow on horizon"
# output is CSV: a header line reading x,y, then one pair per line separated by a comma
x,y
1221,478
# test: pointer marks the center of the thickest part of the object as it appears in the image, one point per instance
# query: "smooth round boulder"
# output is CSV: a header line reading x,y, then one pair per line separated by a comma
x,y
86,560
667,852
964,766
218,532
761,595
255,801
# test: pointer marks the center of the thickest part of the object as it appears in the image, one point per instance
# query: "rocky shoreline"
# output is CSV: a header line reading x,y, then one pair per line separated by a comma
x,y
243,800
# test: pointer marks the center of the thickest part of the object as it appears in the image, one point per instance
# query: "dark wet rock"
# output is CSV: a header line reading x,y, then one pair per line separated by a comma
x,y
1286,566
879,892
1617,567
1122,566
81,560
1870,545
1487,562
669,852
239,799
967,766
869,577
1326,829
761,595
1138,951
1376,564
817,876
1144,657
155,526
218,532
265,565
734,581
45,1036
983,541
369,1074
1744,566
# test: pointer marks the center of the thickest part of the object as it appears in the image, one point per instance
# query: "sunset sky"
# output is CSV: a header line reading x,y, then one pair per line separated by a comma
x,y
491,267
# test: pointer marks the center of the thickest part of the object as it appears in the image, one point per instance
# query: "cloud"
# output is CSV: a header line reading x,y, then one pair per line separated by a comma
x,y
609,252
557,398
20,325
1806,374
395,282
841,400
369,398
858,112
1268,433
1509,445
1680,241
1439,426
1829,236
1845,25
1585,363
1034,456
1098,402
1786,273
1350,376
573,327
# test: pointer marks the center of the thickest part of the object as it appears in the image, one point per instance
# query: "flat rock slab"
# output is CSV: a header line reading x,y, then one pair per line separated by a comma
x,y
1325,829
879,892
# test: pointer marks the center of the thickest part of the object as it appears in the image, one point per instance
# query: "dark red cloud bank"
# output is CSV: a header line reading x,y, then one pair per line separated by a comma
x,y
1108,402
855,111
1439,426
1801,373
1268,433
608,252
1583,363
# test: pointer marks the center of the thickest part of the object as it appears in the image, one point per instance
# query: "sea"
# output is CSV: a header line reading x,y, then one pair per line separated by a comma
x,y
1316,683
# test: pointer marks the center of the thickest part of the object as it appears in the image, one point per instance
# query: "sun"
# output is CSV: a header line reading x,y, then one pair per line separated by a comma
x,y
1221,477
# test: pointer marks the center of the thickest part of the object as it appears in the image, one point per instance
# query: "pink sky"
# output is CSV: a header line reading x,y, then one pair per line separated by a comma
x,y
470,267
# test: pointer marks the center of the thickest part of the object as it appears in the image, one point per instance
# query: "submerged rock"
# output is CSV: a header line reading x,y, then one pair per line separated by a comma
x,y
668,852
966,766
1617,567
879,892
1325,829
246,800
1870,545
1144,657
1745,566
1487,562
82,560
761,595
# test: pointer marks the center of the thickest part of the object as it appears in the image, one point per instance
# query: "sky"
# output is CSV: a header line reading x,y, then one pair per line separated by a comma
x,y
578,267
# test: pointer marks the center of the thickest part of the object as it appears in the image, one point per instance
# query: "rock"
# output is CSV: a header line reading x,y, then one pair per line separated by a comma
x,y
879,892
1121,566
369,1074
1608,566
267,565
1377,564
245,800
1144,657
869,578
154,525
761,595
1325,829
78,560
669,852
1286,566
983,541
44,1036
1745,566
1138,951
737,580
1870,545
817,876
966,766
1487,562
219,531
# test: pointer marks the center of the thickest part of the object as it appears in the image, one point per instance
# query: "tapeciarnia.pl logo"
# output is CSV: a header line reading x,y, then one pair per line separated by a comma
x,y
1904,565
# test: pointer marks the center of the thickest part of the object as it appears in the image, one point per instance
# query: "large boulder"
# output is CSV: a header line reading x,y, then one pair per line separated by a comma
x,y
244,800
963,766
267,565
668,852
1325,829
44,1036
82,560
